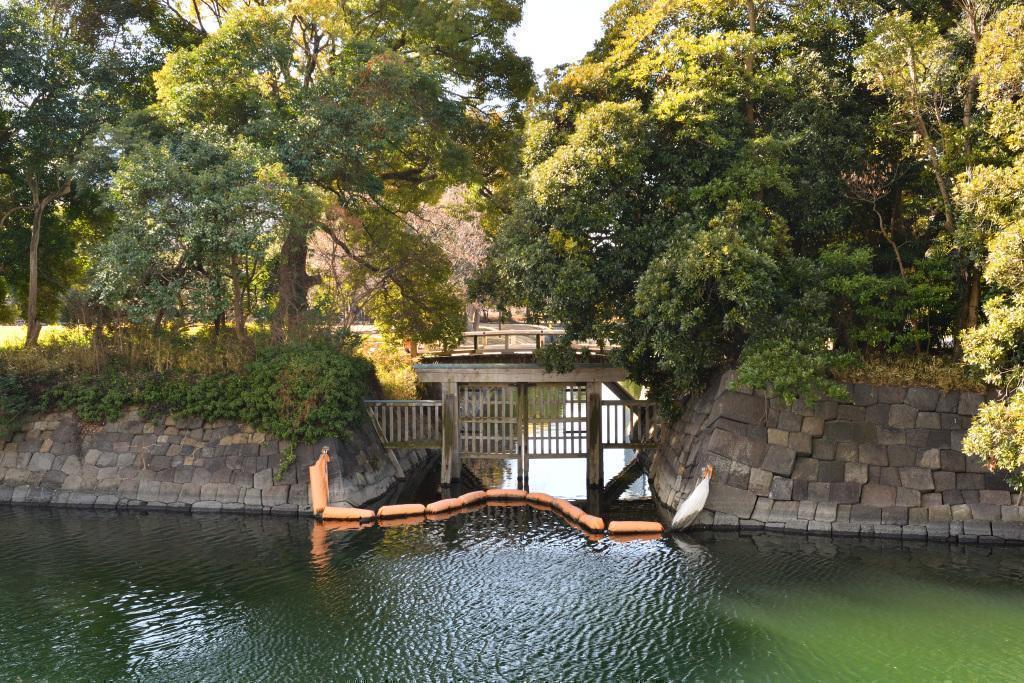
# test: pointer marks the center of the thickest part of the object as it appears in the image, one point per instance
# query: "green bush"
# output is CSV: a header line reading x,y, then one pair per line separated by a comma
x,y
297,392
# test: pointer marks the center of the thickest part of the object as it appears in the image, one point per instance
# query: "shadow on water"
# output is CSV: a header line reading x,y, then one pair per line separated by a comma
x,y
497,594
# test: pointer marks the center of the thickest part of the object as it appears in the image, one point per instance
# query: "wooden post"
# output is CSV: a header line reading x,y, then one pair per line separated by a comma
x,y
595,461
523,414
450,465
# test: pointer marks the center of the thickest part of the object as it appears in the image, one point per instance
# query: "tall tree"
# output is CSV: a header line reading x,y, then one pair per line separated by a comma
x,y
381,104
66,68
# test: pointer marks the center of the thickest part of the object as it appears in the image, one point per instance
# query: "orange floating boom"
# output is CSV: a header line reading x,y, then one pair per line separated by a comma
x,y
408,510
619,527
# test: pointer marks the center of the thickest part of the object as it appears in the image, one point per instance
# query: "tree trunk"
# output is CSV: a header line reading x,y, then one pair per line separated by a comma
x,y
293,284
238,309
32,314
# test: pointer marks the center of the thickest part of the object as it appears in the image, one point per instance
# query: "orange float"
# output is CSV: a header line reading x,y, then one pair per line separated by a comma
x,y
506,494
407,510
473,497
318,483
620,527
540,498
347,514
591,523
444,505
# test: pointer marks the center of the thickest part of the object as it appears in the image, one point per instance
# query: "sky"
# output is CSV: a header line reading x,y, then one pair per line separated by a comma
x,y
557,31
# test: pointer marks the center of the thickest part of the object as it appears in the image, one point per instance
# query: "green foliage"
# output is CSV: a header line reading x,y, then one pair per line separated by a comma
x,y
993,200
287,460
299,392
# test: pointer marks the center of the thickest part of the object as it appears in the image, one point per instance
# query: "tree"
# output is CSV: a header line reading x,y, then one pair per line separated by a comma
x,y
67,68
674,179
382,105
993,198
197,216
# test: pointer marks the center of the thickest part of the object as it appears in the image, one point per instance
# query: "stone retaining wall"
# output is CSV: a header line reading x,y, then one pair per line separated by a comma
x,y
888,463
185,464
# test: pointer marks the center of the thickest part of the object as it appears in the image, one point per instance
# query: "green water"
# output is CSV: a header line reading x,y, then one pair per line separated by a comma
x,y
501,594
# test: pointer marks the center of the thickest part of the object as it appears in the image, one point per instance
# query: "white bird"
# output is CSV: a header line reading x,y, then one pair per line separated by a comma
x,y
694,503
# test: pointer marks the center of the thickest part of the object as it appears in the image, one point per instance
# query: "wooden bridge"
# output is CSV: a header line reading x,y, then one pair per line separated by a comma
x,y
506,406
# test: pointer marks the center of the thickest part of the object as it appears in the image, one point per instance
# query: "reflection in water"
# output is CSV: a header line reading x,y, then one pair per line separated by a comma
x,y
498,594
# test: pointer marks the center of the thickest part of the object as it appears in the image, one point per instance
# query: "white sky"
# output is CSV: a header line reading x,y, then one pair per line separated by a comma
x,y
554,32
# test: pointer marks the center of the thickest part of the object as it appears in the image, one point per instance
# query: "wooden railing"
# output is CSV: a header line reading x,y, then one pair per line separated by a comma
x,y
630,424
505,341
407,424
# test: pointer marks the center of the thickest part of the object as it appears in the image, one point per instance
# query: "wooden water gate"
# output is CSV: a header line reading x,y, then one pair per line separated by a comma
x,y
540,415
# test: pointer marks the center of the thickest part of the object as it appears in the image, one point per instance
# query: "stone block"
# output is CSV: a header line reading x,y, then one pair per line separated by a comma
x,y
926,420
778,437
961,512
849,413
916,478
805,469
872,454
782,489
930,459
937,531
847,452
825,512
895,514
285,510
823,450
852,432
819,492
923,398
856,472
845,492
796,526
952,461
760,481
908,497
917,515
779,460
884,530
887,394
866,513
40,462
762,509
744,408
975,527
799,489
813,425
207,506
252,498
801,443
277,495
790,421
806,509
830,472
878,414
784,511
902,456
969,480
864,394
986,511
149,491
1008,530
846,529
722,498
902,416
878,495
996,497
954,422
887,436
751,525
969,402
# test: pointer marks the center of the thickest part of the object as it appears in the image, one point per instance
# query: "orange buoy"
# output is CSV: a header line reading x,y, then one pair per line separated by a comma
x,y
408,510
619,527
347,514
473,497
444,505
318,483
505,503
572,512
540,498
591,523
401,521
506,494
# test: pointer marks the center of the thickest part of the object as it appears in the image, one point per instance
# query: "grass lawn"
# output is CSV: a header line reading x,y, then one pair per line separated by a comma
x,y
14,335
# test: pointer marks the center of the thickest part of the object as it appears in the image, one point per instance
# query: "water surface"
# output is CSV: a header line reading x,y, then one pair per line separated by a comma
x,y
500,594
